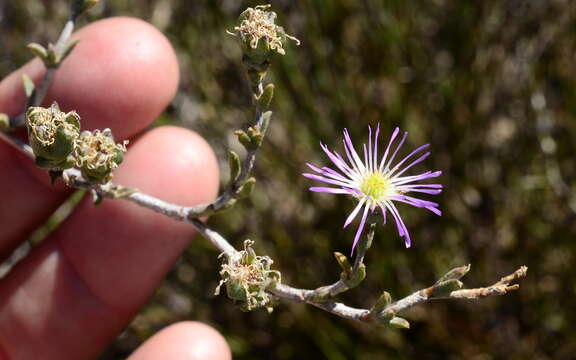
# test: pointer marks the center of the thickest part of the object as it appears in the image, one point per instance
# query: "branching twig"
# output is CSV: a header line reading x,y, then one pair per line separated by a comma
x,y
447,287
322,296
419,297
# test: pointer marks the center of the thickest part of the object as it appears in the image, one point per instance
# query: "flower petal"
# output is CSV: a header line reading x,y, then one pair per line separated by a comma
x,y
384,158
352,154
360,228
326,180
338,161
354,212
330,190
395,152
420,148
402,230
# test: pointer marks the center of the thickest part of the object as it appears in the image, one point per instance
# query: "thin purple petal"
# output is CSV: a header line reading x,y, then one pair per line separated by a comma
x,y
402,140
375,153
337,160
326,180
383,210
354,213
329,190
326,171
351,153
409,156
360,229
419,177
384,158
402,230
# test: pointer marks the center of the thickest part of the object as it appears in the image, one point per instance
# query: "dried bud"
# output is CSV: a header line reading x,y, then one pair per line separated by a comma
x,y
260,36
52,135
247,276
97,155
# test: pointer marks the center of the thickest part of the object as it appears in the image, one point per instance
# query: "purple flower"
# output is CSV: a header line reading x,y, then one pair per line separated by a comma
x,y
377,183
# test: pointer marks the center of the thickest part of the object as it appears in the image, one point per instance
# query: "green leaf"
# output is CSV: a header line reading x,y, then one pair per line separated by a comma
x,y
399,323
456,273
235,165
344,264
383,301
4,122
29,86
246,189
67,50
38,50
265,99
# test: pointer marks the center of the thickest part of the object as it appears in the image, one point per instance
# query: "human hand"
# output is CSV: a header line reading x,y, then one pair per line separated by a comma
x,y
75,292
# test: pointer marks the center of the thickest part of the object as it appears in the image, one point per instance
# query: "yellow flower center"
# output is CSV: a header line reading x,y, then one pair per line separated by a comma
x,y
377,186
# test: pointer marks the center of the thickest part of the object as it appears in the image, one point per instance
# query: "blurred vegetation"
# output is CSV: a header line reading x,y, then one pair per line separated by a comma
x,y
490,84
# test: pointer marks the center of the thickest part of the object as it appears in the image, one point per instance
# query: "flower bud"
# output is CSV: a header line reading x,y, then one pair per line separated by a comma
x,y
52,135
97,155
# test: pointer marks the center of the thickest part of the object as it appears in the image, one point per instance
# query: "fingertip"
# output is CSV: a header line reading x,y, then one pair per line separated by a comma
x,y
187,340
121,75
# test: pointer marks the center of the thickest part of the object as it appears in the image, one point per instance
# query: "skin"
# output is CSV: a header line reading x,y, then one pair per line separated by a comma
x,y
80,288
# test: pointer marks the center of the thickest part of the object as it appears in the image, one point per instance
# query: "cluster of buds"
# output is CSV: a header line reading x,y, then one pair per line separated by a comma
x,y
55,138
247,276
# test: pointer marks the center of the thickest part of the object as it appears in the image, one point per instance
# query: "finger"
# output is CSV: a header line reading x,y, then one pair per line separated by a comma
x,y
80,288
121,75
184,341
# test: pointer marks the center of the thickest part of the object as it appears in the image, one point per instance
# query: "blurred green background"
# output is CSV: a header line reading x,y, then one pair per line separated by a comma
x,y
490,84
